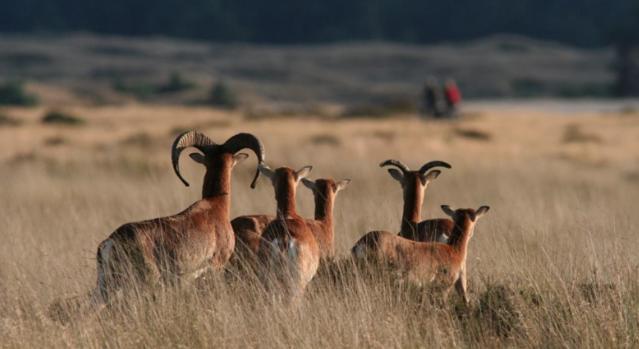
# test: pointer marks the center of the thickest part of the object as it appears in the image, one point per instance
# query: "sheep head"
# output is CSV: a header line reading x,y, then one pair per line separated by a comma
x,y
214,154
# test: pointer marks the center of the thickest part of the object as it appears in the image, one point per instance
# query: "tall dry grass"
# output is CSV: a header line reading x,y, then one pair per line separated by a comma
x,y
553,264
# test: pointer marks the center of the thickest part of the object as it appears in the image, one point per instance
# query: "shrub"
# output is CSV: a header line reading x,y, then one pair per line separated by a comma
x,y
13,93
473,134
62,118
6,120
222,96
574,134
176,83
139,90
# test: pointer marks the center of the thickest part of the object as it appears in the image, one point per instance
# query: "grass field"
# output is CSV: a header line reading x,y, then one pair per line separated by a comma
x,y
553,264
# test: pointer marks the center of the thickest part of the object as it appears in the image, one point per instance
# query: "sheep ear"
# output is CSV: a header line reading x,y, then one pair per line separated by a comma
x,y
309,184
447,210
397,175
342,184
197,157
265,170
303,172
239,157
430,176
481,211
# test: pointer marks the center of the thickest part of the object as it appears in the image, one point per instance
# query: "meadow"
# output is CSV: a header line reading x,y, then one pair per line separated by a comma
x,y
553,264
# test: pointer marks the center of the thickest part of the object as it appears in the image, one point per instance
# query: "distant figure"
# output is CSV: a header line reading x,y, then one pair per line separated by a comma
x,y
453,97
433,103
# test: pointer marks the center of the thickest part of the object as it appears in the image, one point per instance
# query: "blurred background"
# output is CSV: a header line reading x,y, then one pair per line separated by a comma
x,y
533,102
361,57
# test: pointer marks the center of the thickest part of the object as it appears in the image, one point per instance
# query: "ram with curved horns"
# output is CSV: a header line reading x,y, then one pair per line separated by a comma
x,y
414,185
183,246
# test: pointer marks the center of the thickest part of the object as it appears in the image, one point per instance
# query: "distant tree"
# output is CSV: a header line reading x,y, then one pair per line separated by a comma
x,y
625,37
13,93
176,83
583,22
222,96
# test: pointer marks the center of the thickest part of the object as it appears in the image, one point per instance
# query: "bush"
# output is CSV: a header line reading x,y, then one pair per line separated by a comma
x,y
13,93
6,120
176,83
146,90
139,90
62,118
574,134
473,134
222,96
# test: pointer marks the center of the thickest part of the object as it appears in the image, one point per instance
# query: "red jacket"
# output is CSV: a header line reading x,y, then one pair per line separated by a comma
x,y
453,95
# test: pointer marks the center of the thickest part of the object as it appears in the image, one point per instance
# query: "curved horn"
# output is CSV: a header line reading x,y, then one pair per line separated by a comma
x,y
247,140
183,141
427,166
400,165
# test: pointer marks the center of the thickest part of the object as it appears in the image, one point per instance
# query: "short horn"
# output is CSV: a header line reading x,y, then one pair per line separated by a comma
x,y
427,166
183,141
247,140
400,165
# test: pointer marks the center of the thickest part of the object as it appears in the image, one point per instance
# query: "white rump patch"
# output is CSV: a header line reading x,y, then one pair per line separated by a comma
x,y
106,251
360,251
292,250
443,238
275,244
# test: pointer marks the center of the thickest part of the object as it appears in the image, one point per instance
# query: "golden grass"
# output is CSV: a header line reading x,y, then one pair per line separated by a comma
x,y
553,263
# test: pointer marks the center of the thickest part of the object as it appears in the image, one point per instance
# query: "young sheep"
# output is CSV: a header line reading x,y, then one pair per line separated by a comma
x,y
289,254
438,265
248,229
324,191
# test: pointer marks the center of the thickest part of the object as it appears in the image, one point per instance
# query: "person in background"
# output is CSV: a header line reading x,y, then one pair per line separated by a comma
x,y
433,102
453,97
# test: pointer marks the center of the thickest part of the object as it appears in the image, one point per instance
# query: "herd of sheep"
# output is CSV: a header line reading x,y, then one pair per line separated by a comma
x,y
284,249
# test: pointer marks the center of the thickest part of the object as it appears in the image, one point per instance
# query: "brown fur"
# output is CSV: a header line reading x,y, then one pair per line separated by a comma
x,y
414,186
288,252
441,266
324,193
178,247
248,234
249,229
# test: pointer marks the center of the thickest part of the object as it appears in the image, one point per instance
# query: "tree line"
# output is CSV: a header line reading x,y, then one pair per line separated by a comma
x,y
584,23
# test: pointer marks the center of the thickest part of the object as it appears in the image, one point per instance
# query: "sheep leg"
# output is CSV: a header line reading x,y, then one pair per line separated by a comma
x,y
461,285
